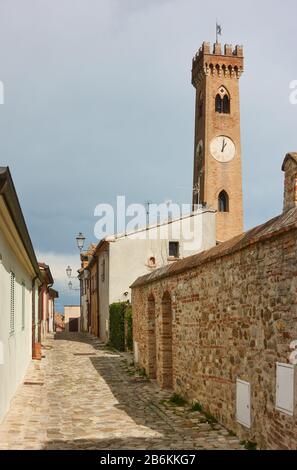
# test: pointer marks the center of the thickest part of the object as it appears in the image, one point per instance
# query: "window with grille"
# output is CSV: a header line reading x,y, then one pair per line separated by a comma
x,y
23,305
12,303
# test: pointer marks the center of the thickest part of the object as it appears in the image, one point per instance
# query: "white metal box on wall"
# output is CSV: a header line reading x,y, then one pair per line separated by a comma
x,y
285,388
243,403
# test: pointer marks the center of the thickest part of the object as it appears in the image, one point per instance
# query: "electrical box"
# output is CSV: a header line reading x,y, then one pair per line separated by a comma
x,y
285,388
243,403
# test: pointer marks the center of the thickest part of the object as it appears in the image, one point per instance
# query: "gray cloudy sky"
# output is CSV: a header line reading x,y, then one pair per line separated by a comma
x,y
98,102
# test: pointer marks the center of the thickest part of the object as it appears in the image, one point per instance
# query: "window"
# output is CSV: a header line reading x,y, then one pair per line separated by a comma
x,y
12,303
226,105
23,305
174,249
218,104
223,202
222,102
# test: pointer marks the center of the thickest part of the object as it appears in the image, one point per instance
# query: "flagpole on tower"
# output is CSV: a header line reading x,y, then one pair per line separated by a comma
x,y
218,31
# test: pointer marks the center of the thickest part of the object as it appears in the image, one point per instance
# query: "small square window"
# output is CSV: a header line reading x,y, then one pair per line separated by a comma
x,y
174,249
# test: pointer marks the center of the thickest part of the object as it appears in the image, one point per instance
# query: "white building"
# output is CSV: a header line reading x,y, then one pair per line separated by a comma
x,y
123,258
19,281
72,318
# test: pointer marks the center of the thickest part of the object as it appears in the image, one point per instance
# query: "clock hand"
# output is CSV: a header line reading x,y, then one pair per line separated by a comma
x,y
224,145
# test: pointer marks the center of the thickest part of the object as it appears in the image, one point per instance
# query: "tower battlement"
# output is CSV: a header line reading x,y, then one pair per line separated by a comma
x,y
226,61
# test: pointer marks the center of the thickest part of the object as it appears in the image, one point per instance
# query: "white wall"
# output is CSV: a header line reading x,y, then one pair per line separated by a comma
x,y
128,257
17,348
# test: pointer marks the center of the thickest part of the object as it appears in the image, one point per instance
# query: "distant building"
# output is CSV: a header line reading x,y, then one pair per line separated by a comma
x,y
85,284
72,318
47,296
53,294
59,325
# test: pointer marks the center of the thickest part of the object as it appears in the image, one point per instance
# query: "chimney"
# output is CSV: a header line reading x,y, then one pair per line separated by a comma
x,y
290,188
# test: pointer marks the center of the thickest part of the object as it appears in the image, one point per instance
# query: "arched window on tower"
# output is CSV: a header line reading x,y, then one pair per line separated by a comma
x,y
223,202
218,104
226,105
222,104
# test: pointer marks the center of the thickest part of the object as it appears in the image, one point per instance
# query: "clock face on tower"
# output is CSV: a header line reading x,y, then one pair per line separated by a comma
x,y
222,148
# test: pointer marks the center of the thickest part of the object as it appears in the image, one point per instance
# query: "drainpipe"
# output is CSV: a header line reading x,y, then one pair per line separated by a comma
x,y
97,282
33,316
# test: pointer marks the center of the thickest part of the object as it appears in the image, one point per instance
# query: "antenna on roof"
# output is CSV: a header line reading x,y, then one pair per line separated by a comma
x,y
147,204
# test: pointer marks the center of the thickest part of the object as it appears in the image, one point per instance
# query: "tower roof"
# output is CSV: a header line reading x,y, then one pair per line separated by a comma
x,y
208,61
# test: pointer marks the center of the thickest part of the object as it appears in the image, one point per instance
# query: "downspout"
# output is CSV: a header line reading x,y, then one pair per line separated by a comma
x,y
33,315
97,281
48,299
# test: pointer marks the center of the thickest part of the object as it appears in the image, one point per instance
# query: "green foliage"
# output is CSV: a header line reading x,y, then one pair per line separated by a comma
x,y
177,400
248,445
197,407
117,325
141,372
210,418
120,323
129,328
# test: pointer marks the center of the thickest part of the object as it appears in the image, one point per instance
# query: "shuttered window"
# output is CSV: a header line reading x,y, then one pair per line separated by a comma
x,y
12,303
23,305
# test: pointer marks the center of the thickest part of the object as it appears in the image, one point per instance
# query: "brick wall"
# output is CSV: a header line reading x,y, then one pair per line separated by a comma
x,y
233,314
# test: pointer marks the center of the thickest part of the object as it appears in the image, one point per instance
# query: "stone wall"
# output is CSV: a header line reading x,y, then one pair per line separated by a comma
x,y
233,314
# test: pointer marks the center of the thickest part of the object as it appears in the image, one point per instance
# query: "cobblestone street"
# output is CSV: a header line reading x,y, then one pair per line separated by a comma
x,y
83,396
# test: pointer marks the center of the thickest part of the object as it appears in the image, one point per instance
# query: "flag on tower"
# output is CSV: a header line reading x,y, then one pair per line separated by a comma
x,y
218,31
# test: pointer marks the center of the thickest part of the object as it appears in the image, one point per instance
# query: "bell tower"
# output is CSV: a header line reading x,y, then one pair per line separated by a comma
x,y
217,155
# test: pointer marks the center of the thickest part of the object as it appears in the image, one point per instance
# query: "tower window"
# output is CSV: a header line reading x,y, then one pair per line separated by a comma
x,y
226,105
223,202
218,104
222,103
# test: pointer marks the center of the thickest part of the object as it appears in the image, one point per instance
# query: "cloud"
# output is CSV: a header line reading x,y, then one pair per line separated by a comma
x,y
98,103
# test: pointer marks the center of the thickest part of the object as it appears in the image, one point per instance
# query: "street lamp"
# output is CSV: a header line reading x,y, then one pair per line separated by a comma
x,y
80,240
69,271
70,285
